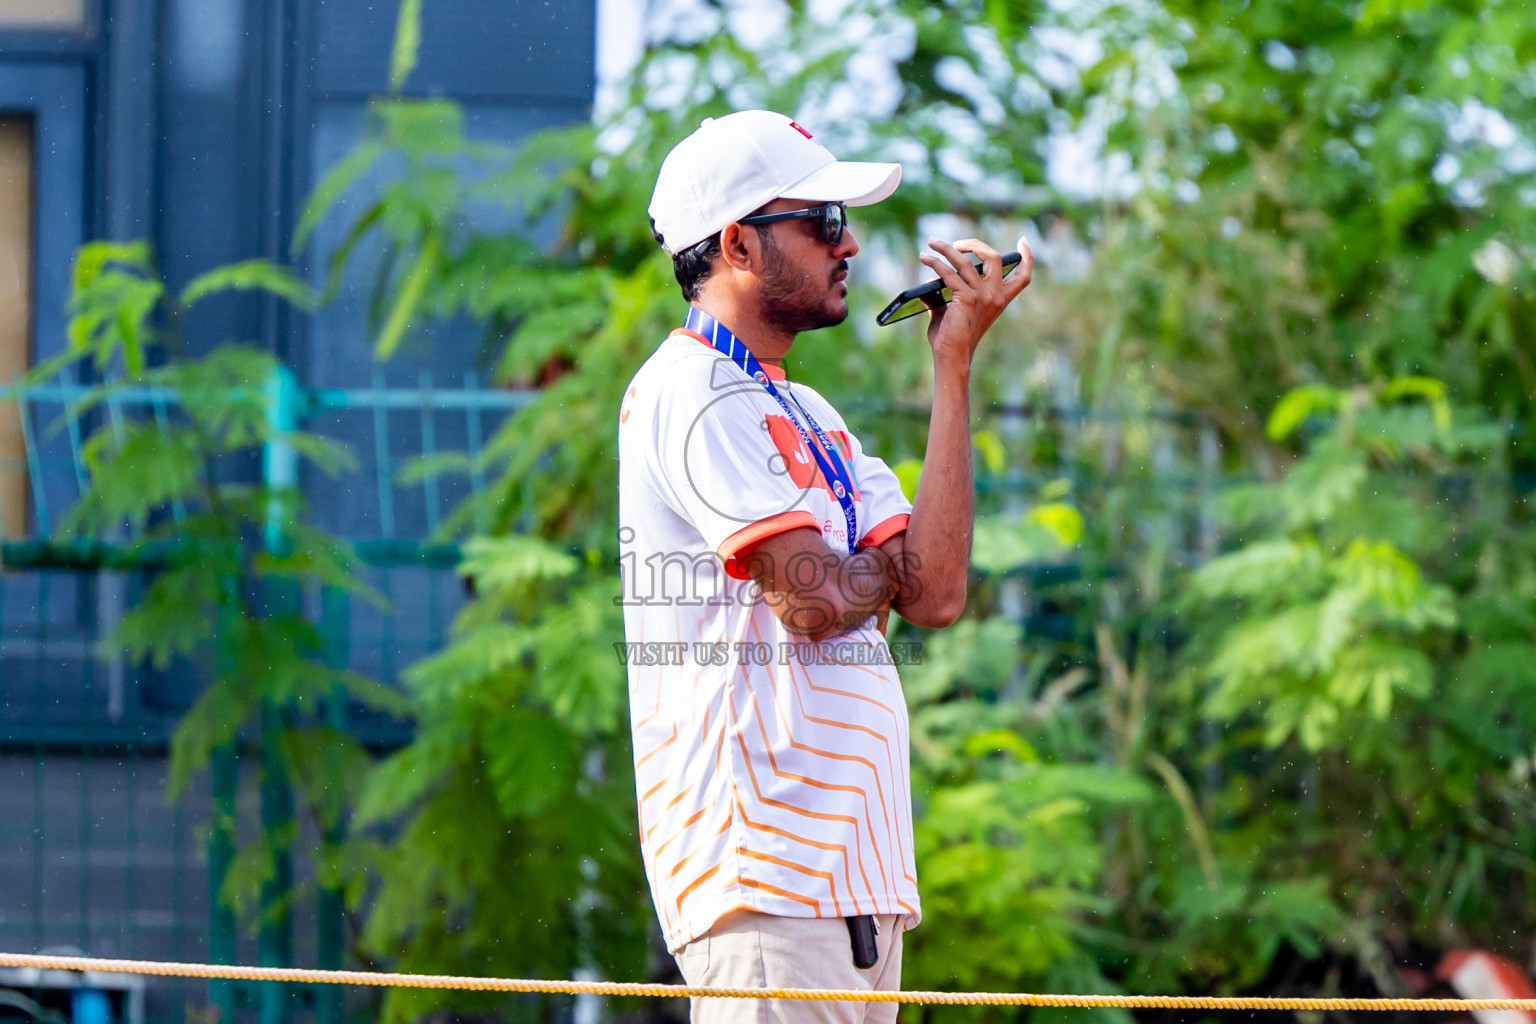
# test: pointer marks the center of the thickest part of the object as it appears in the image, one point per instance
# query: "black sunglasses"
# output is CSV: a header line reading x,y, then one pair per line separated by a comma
x,y
834,217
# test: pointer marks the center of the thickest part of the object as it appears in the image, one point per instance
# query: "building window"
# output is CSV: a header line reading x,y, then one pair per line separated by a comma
x,y
44,14
16,192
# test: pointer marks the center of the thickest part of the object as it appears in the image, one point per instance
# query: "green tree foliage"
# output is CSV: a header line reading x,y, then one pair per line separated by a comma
x,y
517,852
1321,246
502,839
1326,193
1354,631
228,555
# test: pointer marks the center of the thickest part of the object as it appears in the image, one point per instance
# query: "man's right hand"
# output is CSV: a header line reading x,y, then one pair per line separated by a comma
x,y
817,592
955,329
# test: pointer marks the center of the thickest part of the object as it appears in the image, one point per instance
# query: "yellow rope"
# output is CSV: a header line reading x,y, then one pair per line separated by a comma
x,y
618,988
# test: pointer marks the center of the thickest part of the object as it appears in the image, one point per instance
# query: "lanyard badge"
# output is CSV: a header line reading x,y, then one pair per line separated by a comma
x,y
827,460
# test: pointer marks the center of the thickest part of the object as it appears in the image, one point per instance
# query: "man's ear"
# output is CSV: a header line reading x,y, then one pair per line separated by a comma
x,y
738,252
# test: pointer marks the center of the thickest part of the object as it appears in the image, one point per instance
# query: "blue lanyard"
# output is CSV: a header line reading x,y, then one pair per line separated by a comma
x,y
832,467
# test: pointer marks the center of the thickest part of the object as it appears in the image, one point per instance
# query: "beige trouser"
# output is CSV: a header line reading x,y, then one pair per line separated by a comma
x,y
750,950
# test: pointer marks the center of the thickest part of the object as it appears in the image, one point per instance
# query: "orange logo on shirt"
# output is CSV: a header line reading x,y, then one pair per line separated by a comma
x,y
803,471
624,415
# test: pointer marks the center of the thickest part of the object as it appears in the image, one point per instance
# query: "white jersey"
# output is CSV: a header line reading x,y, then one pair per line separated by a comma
x,y
772,774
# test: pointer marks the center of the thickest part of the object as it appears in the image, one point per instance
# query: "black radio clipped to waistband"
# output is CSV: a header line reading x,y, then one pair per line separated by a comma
x,y
862,932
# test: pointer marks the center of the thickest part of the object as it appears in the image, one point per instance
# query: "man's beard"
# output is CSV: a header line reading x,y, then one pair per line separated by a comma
x,y
795,302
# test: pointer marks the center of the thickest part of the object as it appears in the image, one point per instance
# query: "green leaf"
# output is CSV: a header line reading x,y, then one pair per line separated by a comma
x,y
505,563
337,181
251,275
1064,522
213,721
1427,388
577,675
403,54
1266,571
138,476
329,456
337,261
372,694
426,467
1000,740
533,762
1301,912
548,332
315,557
475,656
95,257
424,128
1374,13
116,291
408,774
977,655
173,618
989,446
1299,403
1006,542
1371,673
1199,835
404,308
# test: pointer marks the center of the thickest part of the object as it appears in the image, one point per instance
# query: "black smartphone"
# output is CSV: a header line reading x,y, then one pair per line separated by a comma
x,y
911,302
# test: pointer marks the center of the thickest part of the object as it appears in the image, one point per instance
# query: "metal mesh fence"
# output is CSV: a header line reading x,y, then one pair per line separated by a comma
x,y
94,857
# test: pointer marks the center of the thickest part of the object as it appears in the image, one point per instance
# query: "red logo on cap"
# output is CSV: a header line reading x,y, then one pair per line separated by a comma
x,y
802,131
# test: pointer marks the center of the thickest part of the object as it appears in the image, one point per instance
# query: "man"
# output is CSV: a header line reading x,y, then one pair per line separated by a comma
x,y
762,550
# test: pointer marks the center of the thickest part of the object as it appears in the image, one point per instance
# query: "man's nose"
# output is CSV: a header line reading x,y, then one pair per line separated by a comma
x,y
848,245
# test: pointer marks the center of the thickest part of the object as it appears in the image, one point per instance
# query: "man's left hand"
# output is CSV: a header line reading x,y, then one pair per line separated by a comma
x,y
955,329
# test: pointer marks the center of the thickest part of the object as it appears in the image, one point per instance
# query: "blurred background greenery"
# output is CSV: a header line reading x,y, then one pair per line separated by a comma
x,y
1245,696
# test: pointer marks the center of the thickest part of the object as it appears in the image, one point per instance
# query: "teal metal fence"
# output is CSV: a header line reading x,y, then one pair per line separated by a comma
x,y
92,856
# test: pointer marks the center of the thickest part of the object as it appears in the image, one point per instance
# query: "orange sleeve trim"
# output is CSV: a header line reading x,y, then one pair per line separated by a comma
x,y
760,531
884,531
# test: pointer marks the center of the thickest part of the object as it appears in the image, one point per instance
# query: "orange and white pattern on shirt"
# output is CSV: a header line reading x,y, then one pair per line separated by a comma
x,y
780,787
771,774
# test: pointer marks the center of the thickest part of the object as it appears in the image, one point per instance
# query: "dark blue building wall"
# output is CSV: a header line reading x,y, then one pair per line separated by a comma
x,y
256,99
202,125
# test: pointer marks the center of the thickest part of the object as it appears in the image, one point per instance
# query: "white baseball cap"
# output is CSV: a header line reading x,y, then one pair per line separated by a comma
x,y
732,165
